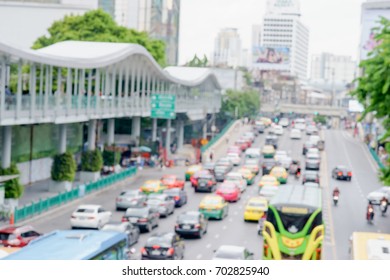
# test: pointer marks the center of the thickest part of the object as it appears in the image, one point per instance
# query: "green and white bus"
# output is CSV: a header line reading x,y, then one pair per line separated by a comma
x,y
294,228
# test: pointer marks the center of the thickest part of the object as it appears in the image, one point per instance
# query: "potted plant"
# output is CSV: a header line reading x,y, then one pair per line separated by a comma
x,y
111,159
13,188
63,172
91,166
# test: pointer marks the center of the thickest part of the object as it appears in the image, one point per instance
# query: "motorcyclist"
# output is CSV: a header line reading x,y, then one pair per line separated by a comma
x,y
384,201
370,211
336,192
298,172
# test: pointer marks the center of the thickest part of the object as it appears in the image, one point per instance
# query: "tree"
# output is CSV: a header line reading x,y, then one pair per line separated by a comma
x,y
63,168
246,102
98,26
373,89
197,62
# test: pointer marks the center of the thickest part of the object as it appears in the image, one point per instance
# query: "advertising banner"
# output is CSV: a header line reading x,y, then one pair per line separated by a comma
x,y
270,58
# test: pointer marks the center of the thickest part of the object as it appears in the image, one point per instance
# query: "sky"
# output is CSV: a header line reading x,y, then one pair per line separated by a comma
x,y
334,24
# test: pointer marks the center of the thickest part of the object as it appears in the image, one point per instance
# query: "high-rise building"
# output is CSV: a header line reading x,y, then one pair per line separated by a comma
x,y
256,35
159,18
282,29
329,67
122,12
227,50
108,6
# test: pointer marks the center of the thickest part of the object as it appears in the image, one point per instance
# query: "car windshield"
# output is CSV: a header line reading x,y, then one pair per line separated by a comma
x,y
219,169
129,194
5,235
168,179
136,212
232,178
161,241
113,228
152,185
172,192
257,204
85,210
268,179
225,254
311,176
227,187
313,156
153,202
188,217
211,201
251,161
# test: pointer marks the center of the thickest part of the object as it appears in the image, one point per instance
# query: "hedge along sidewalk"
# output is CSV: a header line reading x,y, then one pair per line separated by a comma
x,y
41,207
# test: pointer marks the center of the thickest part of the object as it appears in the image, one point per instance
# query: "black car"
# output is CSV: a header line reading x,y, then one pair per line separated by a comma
x,y
178,195
220,172
272,140
206,183
191,223
163,246
342,173
267,165
311,176
146,218
129,229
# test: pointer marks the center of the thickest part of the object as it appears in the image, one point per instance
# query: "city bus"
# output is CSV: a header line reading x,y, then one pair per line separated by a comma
x,y
370,246
294,228
75,245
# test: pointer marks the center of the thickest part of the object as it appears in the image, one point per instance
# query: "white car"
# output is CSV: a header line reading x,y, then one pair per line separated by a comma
x,y
237,178
311,130
253,153
284,122
90,216
268,191
286,162
300,124
280,154
314,139
278,130
313,151
235,158
295,134
376,196
250,135
228,252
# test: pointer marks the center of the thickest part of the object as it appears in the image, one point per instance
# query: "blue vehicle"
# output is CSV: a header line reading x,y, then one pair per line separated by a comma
x,y
75,245
178,195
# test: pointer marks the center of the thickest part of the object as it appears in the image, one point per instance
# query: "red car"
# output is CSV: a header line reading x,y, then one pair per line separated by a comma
x,y
17,236
229,191
194,178
243,144
171,181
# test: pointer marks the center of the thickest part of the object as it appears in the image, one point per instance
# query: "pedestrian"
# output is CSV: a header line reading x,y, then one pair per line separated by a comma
x,y
211,155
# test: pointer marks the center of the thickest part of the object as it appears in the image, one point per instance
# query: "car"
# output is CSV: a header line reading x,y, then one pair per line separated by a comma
x,y
234,150
145,218
171,181
268,192
278,130
252,165
225,161
268,180
253,153
191,223
314,139
238,179
312,162
129,229
268,151
376,196
280,173
260,127
307,145
342,172
313,151
311,176
242,143
178,195
267,165
280,154
248,175
220,172
284,122
295,134
300,124
255,209
152,186
311,130
17,236
228,252
163,246
250,135
164,204
214,206
206,182
210,166
194,178
285,162
266,121
90,216
312,184
235,158
272,140
229,191
130,198
191,170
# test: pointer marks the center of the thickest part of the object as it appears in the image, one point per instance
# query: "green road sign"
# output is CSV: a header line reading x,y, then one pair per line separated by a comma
x,y
163,106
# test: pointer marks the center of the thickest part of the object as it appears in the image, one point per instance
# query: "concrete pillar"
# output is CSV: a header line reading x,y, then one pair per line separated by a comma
x,y
180,135
62,142
136,129
154,130
92,135
6,149
168,137
111,131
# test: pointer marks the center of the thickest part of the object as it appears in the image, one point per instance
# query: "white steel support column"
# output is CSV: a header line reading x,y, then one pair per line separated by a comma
x,y
2,88
19,90
106,93
6,148
97,88
76,89
89,90
126,101
41,79
69,90
62,142
111,132
139,76
180,134
132,87
59,88
92,135
120,89
113,88
80,91
168,137
154,130
136,129
47,89
32,88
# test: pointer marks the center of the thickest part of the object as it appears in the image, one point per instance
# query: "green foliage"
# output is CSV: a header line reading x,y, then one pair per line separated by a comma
x,y
197,62
373,89
98,26
92,161
111,158
13,188
320,119
63,168
246,102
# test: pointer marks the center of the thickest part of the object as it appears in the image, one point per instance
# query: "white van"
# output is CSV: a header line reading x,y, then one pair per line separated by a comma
x,y
253,153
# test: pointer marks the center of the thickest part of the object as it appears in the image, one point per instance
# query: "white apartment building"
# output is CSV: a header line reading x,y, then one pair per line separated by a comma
x,y
227,50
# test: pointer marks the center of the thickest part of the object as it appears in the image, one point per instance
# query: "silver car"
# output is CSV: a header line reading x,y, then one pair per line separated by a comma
x,y
376,196
127,228
130,199
163,203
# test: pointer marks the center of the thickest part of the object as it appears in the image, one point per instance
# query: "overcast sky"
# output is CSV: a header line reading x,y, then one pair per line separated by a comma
x,y
334,24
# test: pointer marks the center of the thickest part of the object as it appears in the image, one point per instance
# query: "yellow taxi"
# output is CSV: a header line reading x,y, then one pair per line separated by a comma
x,y
192,170
153,186
268,151
280,174
255,209
266,121
268,180
248,175
213,206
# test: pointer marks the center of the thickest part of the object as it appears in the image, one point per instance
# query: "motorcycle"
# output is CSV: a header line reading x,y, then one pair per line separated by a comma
x,y
383,207
335,200
297,175
370,215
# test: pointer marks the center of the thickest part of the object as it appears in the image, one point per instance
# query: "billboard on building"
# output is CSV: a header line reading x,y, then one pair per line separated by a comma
x,y
355,107
271,58
285,7
370,19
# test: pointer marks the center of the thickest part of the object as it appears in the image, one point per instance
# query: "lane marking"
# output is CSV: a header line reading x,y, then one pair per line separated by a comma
x,y
224,227
198,257
208,245
216,236
235,213
230,220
